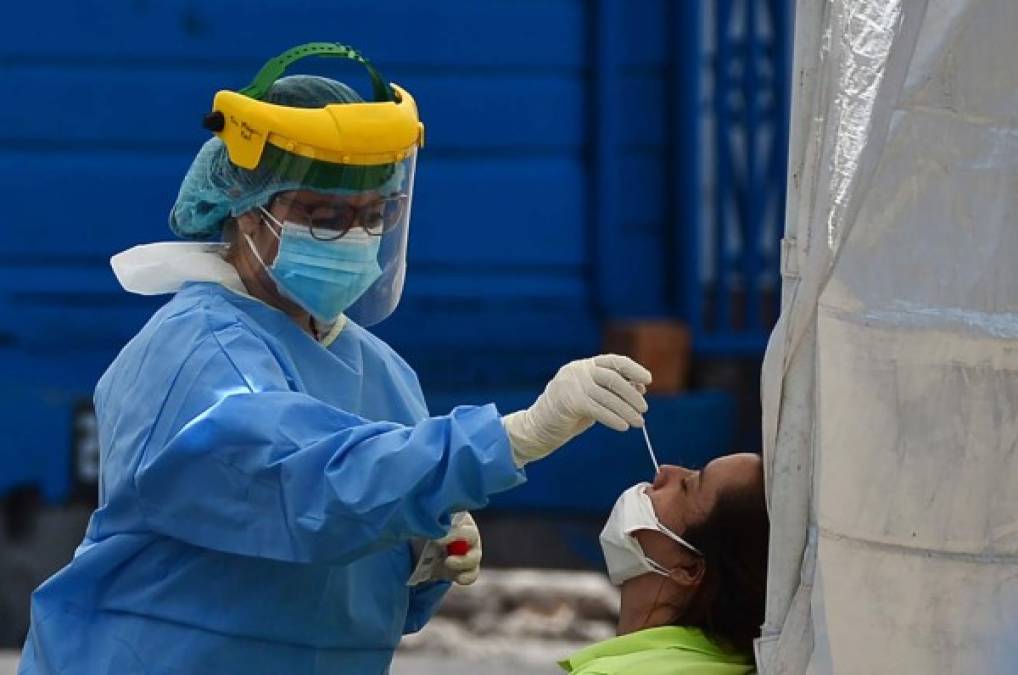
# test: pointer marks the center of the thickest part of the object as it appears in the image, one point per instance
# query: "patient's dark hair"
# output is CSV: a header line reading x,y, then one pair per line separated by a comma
x,y
733,540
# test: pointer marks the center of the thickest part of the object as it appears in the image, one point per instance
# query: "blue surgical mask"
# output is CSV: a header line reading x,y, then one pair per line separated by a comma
x,y
323,277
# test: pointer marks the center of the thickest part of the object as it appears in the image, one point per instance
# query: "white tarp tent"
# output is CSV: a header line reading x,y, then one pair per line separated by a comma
x,y
890,385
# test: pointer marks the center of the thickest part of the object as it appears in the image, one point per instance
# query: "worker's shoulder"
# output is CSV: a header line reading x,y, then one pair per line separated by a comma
x,y
197,309
195,314
162,344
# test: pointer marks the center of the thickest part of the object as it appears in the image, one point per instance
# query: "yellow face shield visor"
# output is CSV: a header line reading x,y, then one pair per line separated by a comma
x,y
382,132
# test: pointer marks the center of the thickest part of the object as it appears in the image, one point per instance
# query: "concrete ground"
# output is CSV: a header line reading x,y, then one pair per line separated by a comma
x,y
28,561
405,664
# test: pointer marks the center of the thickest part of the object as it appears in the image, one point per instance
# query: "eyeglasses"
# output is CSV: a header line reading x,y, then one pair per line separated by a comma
x,y
328,222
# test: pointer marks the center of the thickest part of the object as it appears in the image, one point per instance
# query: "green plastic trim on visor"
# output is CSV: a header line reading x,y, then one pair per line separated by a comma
x,y
318,175
276,66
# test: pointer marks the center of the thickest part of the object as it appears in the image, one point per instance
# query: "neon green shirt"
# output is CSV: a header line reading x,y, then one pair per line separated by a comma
x,y
668,650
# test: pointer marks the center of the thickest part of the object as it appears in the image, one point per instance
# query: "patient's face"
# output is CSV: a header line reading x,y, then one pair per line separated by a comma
x,y
683,498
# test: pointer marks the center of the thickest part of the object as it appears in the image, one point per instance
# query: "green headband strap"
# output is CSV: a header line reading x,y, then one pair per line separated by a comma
x,y
275,67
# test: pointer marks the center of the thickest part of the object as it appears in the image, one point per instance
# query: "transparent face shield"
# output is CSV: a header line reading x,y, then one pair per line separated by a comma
x,y
382,297
338,209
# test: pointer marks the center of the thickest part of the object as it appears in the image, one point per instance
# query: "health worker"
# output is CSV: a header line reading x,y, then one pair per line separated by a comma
x,y
274,495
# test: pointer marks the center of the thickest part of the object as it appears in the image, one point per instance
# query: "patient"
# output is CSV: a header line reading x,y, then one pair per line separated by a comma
x,y
690,552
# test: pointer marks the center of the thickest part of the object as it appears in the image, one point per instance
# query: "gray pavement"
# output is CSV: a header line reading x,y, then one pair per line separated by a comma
x,y
405,664
26,563
417,664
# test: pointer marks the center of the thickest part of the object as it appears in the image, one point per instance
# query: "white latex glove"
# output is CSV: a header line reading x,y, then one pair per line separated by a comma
x,y
607,389
464,568
435,563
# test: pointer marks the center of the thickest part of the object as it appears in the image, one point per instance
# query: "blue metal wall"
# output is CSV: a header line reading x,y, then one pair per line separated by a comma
x,y
563,182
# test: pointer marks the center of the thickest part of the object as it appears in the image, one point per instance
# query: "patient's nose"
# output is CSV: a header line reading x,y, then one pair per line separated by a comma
x,y
669,473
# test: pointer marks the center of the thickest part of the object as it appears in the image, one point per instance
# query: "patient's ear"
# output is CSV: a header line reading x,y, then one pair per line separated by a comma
x,y
689,574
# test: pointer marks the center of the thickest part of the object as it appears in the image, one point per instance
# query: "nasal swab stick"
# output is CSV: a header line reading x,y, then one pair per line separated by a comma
x,y
650,449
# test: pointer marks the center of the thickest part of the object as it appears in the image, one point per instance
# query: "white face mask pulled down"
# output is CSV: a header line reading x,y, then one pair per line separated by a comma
x,y
623,554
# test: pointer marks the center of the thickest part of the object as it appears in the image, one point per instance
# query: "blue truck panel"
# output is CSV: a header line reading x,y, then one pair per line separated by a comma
x,y
449,34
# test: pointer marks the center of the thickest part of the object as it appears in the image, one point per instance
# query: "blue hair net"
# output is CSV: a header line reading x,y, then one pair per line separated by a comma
x,y
215,188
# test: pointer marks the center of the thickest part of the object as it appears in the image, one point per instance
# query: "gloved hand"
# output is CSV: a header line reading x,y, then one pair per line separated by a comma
x,y
464,568
436,563
607,389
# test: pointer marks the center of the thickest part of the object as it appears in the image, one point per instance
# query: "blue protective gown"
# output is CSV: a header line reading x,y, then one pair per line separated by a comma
x,y
258,492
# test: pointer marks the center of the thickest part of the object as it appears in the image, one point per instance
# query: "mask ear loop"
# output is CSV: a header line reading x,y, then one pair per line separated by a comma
x,y
272,221
679,540
657,567
665,530
269,223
